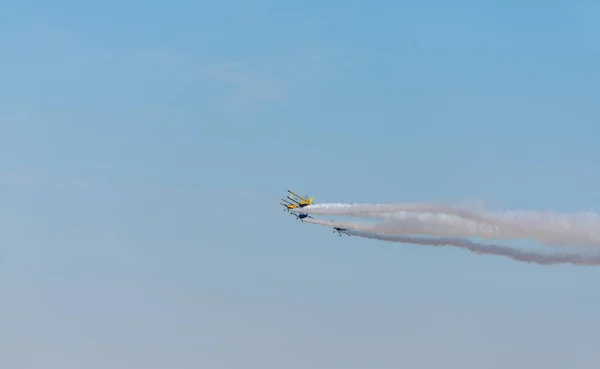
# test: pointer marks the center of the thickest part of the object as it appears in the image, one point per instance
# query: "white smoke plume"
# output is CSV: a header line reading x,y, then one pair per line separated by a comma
x,y
551,228
587,259
582,259
424,224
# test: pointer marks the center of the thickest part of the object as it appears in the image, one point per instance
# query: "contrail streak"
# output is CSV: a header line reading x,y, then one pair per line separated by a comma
x,y
425,224
480,248
580,229
583,259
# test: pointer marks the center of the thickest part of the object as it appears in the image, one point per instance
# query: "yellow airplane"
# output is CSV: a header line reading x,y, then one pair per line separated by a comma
x,y
299,202
303,201
288,205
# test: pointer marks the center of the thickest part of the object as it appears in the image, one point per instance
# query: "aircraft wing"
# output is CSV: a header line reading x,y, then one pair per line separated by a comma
x,y
298,196
301,200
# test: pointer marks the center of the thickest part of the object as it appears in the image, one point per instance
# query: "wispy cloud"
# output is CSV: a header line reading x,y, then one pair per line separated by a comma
x,y
269,78
64,182
245,83
48,181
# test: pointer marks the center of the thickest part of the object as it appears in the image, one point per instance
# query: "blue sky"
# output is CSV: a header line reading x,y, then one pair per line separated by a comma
x,y
145,147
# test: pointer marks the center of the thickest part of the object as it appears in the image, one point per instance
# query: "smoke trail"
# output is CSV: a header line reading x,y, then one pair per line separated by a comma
x,y
479,248
552,228
584,259
424,224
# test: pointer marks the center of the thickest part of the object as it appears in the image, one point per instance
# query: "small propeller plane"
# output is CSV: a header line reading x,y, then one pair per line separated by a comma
x,y
340,231
289,206
298,202
303,200
301,216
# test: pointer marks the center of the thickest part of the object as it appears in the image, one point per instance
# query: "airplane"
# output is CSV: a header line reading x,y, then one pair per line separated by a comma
x,y
301,216
303,201
289,206
340,231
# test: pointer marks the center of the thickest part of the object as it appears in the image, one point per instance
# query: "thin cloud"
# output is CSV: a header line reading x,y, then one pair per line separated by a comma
x,y
263,79
244,82
54,182
77,183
